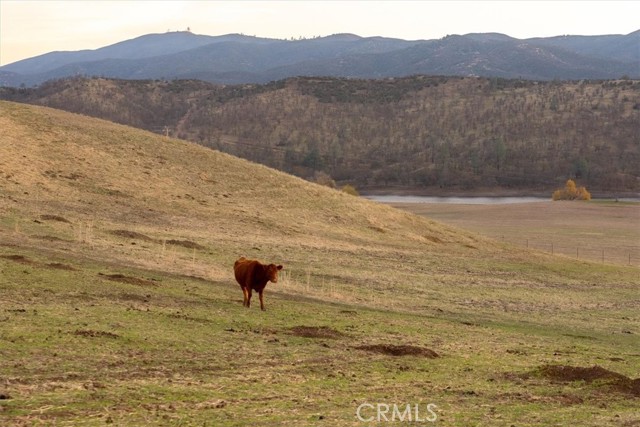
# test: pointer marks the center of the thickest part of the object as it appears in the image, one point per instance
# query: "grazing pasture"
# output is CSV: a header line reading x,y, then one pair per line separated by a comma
x,y
599,230
118,302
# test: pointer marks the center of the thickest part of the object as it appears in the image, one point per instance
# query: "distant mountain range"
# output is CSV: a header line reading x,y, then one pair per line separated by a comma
x,y
239,59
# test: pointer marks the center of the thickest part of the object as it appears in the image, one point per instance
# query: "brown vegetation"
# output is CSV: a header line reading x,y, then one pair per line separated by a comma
x,y
445,132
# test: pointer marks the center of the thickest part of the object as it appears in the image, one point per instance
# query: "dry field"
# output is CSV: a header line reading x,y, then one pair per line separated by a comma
x,y
118,304
601,231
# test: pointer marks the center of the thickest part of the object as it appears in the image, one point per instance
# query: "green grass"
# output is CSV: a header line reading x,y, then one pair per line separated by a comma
x,y
85,350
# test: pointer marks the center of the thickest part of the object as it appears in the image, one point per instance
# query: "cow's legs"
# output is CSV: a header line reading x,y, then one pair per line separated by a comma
x,y
261,301
245,301
248,298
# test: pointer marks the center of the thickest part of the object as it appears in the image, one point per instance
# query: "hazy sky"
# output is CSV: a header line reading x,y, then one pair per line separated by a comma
x,y
30,28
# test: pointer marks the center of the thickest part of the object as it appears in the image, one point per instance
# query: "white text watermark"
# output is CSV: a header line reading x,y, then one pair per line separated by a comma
x,y
394,412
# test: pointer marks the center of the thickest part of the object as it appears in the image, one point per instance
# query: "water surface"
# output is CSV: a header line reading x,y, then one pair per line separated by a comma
x,y
457,200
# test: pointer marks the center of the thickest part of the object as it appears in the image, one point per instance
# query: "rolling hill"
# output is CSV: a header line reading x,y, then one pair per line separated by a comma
x,y
90,171
237,59
118,305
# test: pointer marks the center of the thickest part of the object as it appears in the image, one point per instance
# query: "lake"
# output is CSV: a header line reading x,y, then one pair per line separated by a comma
x,y
457,200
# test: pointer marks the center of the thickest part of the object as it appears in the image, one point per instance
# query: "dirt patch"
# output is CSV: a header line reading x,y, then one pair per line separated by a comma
x,y
20,259
127,234
95,334
185,244
47,217
400,350
595,374
127,279
316,332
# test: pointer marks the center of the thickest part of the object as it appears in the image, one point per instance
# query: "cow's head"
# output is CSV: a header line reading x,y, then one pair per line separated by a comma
x,y
272,272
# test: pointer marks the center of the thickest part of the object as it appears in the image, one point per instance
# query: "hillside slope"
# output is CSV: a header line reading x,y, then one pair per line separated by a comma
x,y
118,303
103,177
110,176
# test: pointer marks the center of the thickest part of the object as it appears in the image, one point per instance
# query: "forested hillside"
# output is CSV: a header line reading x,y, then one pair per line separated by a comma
x,y
450,133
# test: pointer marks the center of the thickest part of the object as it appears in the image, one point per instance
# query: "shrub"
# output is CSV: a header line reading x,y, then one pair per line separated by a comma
x,y
571,192
350,189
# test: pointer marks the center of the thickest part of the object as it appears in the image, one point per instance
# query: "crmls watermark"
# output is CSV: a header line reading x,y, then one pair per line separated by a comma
x,y
393,412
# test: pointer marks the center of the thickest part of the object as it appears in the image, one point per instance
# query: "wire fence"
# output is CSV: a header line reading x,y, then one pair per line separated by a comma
x,y
625,255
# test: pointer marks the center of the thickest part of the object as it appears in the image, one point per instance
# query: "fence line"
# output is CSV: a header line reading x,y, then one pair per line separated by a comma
x,y
627,255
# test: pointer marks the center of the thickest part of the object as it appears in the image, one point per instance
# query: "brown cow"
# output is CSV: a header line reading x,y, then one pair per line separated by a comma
x,y
252,275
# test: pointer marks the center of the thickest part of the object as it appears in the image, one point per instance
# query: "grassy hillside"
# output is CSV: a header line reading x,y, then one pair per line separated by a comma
x,y
118,304
441,133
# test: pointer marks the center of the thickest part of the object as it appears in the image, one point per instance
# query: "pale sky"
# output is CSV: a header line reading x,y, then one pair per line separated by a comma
x,y
30,28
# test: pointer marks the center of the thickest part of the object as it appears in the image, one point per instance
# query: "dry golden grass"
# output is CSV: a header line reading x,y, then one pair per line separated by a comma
x,y
600,231
100,177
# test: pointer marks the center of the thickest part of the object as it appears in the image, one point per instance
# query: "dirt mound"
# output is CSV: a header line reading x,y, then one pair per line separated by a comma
x,y
576,373
400,350
316,332
127,279
595,374
58,218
